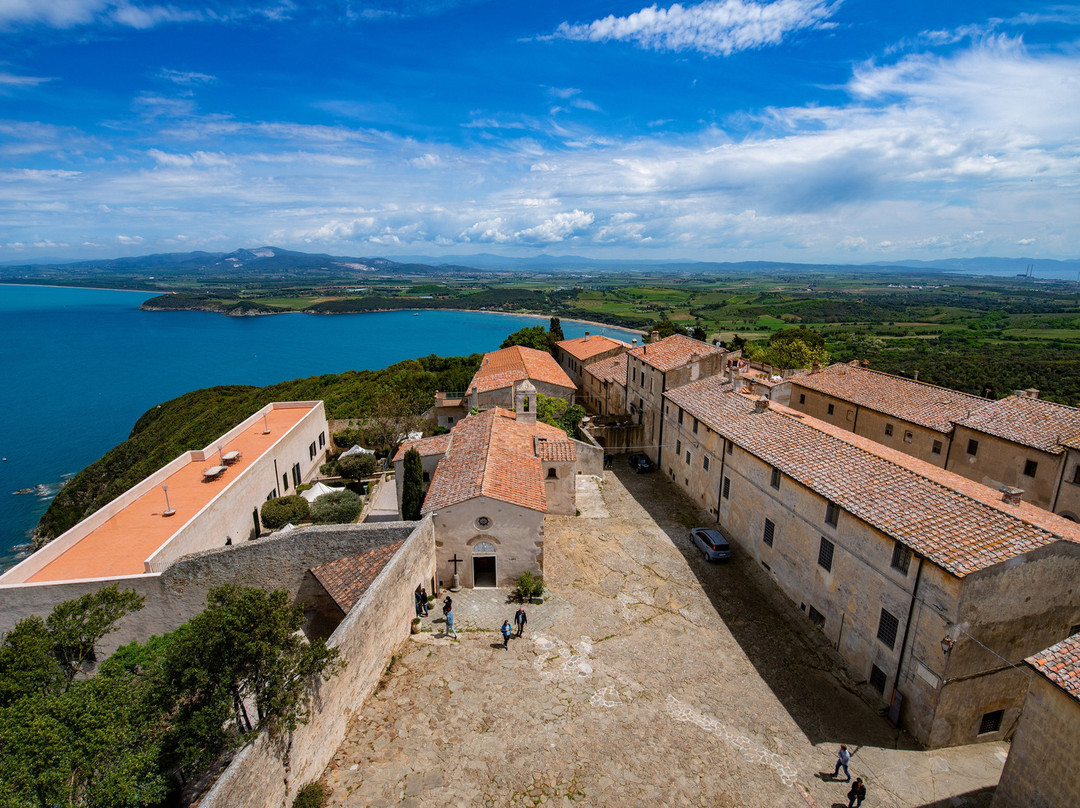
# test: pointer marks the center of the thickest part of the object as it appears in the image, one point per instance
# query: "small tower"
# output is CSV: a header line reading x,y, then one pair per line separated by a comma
x,y
525,403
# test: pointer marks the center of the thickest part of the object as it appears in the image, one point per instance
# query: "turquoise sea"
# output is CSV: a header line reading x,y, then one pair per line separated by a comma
x,y
79,366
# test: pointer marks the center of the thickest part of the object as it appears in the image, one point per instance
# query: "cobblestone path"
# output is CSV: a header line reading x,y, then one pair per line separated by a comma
x,y
649,678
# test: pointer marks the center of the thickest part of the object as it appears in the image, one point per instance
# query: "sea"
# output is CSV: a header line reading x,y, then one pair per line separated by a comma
x,y
79,366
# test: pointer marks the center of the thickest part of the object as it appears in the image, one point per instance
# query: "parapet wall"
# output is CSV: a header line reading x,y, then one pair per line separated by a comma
x,y
269,772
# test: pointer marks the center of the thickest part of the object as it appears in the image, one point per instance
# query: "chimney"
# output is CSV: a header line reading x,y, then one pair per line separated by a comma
x,y
761,404
866,364
485,360
695,357
633,342
1011,496
586,336
654,336
736,384
915,375
815,367
1032,392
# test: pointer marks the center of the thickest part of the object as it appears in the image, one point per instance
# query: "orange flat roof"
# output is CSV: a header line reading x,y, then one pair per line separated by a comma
x,y
122,544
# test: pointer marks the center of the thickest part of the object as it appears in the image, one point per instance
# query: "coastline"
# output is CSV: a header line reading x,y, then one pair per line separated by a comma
x,y
88,288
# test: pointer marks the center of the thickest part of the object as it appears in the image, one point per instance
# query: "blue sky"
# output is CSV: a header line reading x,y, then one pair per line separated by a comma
x,y
794,130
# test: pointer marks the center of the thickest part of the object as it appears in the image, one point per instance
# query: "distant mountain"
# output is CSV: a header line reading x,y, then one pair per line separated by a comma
x,y
1041,267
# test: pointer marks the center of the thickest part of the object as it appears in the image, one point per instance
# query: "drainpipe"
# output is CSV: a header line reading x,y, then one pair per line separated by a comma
x,y
907,624
855,423
1061,478
952,440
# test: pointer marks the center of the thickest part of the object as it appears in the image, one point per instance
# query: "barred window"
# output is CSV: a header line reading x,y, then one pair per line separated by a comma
x,y
877,679
678,448
886,631
688,458
680,415
901,558
825,554
705,462
991,722
770,532
727,487
774,481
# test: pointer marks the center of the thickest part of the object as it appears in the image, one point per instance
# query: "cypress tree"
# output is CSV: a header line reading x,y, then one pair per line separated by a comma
x,y
412,486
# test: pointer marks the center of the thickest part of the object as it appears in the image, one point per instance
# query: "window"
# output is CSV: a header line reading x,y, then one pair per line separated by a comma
x,y
888,429
427,476
285,482
825,554
973,447
695,425
831,409
901,558
312,451
1074,629
552,474
770,532
678,448
483,521
802,398
775,480
832,514
1076,474
727,488
816,617
936,448
271,495
1030,467
680,415
731,448
296,473
877,679
633,375
705,462
688,458
886,630
908,437
322,439
483,547
991,722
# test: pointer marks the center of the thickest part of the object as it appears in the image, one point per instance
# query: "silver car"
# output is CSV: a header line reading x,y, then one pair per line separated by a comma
x,y
712,543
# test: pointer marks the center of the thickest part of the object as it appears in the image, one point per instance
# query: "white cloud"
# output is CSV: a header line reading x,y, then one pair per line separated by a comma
x,y
558,228
129,240
11,80
126,13
186,78
717,27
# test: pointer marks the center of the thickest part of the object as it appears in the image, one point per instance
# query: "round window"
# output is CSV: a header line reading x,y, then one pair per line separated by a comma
x,y
483,521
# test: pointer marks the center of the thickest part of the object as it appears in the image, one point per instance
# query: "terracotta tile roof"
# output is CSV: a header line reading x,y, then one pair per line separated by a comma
x,y
673,351
432,445
1028,421
492,455
958,524
612,369
556,450
508,365
584,348
347,579
1061,665
1072,442
918,402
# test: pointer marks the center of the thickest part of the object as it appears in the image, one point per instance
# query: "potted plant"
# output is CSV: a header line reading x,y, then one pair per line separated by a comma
x,y
523,589
416,625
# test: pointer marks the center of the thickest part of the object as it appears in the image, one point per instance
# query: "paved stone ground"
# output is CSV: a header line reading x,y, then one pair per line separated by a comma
x,y
649,679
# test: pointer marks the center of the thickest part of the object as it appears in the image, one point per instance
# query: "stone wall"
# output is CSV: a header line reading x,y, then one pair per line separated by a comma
x,y
179,593
998,462
268,773
1041,769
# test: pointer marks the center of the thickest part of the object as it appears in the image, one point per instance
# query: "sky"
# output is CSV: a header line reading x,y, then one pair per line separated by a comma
x,y
795,130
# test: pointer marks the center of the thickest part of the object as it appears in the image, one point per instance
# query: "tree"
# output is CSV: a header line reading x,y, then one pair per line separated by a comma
x,y
279,511
412,486
699,333
790,348
664,327
533,336
336,508
356,465
555,330
75,626
558,412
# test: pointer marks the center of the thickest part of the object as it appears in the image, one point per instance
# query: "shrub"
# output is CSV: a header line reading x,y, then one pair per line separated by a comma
x,y
313,795
328,469
357,465
338,508
523,589
347,438
278,512
412,486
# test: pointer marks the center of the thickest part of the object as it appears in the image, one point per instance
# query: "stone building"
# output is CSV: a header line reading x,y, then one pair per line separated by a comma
x,y
1025,443
500,474
431,451
603,386
1041,769
659,366
910,416
574,355
495,382
911,571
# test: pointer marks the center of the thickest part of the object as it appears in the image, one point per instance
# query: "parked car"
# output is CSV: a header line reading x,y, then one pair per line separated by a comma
x,y
712,543
641,463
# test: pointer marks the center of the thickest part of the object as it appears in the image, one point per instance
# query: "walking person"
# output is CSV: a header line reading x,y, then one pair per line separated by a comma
x,y
448,604
520,619
843,757
506,632
450,623
419,607
423,601
857,793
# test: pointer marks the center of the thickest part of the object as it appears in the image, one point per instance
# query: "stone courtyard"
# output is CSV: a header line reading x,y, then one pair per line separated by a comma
x,y
647,678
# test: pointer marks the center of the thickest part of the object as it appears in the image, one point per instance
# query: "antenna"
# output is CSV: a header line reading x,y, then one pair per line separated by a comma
x,y
266,427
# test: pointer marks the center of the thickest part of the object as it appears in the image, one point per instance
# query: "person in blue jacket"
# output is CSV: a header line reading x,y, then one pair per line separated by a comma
x,y
506,632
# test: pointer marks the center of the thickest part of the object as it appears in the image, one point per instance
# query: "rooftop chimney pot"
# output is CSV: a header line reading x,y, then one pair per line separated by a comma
x,y
1011,496
1032,392
586,336
654,336
815,367
761,404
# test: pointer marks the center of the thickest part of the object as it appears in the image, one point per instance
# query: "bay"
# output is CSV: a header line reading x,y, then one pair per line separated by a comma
x,y
79,366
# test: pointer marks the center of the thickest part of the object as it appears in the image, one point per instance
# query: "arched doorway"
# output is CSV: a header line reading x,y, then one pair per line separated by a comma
x,y
485,573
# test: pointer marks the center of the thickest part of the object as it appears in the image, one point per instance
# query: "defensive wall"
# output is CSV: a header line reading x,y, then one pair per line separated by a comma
x,y
268,772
